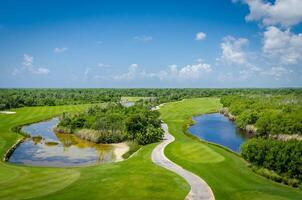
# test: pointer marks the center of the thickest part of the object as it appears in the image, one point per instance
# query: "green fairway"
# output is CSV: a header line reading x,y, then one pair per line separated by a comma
x,y
135,178
225,172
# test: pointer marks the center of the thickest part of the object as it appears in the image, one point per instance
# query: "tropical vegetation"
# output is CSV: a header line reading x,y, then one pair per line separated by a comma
x,y
109,123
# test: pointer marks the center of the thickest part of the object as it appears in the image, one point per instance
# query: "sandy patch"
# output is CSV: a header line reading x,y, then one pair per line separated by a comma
x,y
7,112
157,107
119,150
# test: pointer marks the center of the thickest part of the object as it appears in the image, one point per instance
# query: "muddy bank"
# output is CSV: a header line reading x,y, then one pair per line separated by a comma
x,y
10,151
250,129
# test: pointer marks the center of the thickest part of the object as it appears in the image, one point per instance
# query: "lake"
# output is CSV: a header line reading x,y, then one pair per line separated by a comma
x,y
218,129
46,148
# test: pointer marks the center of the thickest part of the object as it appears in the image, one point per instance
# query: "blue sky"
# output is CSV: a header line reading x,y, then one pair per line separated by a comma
x,y
193,43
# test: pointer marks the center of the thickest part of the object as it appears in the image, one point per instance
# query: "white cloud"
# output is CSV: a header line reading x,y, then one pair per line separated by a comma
x,y
134,72
143,38
200,36
233,52
249,72
282,45
277,72
226,76
282,12
15,71
195,71
28,60
28,65
41,70
60,50
86,72
188,72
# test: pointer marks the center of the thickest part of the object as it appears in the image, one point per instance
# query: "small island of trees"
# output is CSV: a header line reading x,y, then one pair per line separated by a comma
x,y
112,123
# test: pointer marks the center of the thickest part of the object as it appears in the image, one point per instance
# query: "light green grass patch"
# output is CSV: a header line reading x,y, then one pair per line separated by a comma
x,y
226,173
136,178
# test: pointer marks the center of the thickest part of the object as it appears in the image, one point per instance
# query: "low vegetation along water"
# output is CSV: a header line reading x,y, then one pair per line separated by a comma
x,y
218,129
46,148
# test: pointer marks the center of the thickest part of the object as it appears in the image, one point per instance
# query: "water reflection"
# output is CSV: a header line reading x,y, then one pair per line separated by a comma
x,y
47,148
218,129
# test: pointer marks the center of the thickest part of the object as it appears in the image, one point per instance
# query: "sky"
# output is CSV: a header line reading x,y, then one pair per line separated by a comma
x,y
150,43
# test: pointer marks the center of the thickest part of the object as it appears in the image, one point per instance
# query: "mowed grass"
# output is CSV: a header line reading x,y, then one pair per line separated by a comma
x,y
135,178
225,172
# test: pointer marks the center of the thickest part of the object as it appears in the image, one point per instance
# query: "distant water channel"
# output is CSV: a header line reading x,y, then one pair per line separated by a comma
x,y
56,149
218,129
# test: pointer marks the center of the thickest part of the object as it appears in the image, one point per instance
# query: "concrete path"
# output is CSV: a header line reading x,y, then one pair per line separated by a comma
x,y
199,188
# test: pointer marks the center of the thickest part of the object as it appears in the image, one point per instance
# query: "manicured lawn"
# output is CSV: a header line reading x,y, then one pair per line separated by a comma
x,y
225,172
135,178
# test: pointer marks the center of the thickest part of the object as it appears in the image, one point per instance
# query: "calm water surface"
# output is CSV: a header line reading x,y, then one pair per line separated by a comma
x,y
55,149
218,129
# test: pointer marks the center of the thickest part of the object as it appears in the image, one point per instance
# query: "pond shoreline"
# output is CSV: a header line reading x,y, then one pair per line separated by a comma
x,y
76,152
215,128
12,149
250,130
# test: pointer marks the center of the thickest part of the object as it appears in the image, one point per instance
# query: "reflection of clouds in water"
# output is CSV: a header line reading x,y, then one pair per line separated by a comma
x,y
218,129
43,129
69,151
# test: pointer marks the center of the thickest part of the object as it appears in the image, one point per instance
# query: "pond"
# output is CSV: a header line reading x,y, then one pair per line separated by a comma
x,y
127,103
218,129
46,148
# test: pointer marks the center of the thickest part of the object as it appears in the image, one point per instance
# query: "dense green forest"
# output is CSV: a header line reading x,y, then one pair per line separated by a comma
x,y
270,114
283,157
14,98
276,122
112,122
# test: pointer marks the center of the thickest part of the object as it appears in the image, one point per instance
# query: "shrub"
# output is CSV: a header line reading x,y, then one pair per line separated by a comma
x,y
150,135
283,157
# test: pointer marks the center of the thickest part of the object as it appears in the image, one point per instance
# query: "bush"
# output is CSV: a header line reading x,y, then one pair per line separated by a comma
x,y
283,157
276,177
150,136
99,136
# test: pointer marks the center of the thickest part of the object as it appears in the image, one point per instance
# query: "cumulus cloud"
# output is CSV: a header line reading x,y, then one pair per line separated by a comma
x,y
188,72
134,72
28,65
233,50
60,50
277,72
143,38
282,45
282,12
200,36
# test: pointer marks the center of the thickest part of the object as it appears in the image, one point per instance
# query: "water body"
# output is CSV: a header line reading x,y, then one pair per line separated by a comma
x,y
127,103
55,149
218,129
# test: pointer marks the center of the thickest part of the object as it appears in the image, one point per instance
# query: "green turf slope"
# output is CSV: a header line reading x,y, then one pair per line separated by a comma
x,y
136,178
225,172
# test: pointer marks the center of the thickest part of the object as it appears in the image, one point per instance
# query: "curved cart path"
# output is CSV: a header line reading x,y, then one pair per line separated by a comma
x,y
199,188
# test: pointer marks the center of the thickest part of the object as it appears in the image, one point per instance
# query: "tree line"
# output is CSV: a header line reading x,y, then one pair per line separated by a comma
x,y
15,98
270,114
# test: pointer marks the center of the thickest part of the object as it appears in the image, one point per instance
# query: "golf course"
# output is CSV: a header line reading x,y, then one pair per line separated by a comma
x,y
137,177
